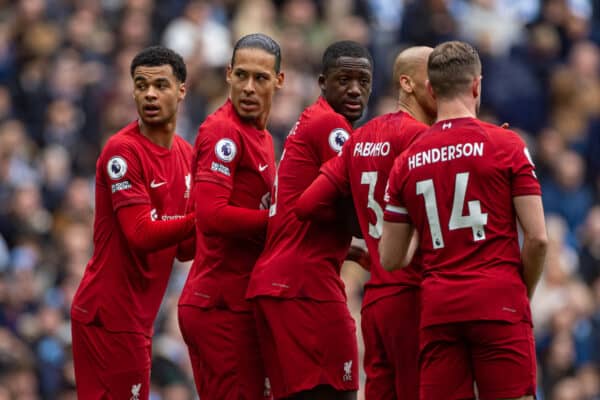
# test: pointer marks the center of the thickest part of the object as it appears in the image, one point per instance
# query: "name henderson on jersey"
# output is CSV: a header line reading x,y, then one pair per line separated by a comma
x,y
445,153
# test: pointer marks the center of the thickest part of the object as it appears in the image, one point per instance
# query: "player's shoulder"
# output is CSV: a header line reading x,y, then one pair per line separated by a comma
x,y
320,117
181,143
499,134
128,138
222,121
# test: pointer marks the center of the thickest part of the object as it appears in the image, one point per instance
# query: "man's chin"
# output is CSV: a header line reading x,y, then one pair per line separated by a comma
x,y
248,117
153,121
353,117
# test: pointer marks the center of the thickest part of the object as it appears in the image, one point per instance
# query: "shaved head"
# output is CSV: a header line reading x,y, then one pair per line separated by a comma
x,y
410,81
409,60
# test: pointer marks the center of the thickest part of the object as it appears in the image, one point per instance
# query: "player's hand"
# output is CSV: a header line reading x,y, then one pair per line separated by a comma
x,y
505,125
265,201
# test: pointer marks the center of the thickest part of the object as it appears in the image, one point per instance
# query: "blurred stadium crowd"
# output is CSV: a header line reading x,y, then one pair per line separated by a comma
x,y
65,87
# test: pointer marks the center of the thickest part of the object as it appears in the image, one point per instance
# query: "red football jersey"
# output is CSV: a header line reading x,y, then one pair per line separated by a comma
x,y
362,169
303,259
455,184
240,157
121,288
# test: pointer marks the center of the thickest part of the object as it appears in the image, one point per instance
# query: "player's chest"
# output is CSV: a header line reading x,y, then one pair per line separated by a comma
x,y
257,166
168,183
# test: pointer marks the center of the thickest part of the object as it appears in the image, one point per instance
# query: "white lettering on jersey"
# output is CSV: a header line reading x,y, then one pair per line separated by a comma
x,y
371,149
446,153
220,168
116,187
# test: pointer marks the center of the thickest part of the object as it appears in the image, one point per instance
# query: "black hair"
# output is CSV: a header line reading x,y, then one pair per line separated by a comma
x,y
259,41
344,48
155,56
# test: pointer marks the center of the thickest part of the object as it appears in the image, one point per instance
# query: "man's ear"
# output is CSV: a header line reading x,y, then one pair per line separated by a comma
x,y
182,91
279,80
228,73
322,82
406,83
476,87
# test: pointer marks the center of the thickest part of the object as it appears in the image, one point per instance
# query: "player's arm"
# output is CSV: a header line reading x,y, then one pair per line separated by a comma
x,y
316,203
144,235
318,200
218,154
397,245
530,214
214,214
399,239
186,249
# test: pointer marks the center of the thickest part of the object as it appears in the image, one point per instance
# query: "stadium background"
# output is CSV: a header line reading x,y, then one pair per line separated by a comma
x,y
65,87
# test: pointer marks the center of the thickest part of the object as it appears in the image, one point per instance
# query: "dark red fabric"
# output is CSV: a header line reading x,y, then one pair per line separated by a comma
x,y
217,217
316,201
144,234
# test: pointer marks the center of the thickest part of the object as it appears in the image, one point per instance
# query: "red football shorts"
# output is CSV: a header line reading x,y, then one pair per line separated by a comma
x,y
306,344
224,352
390,330
498,355
110,365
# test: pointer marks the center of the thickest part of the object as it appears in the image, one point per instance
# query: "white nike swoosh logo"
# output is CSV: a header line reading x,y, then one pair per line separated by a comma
x,y
261,168
154,185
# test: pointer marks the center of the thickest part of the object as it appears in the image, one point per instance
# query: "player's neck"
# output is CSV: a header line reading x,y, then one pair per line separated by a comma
x,y
260,123
455,108
161,135
414,110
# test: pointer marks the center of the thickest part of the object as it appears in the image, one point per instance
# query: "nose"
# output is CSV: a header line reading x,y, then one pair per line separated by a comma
x,y
249,86
354,89
151,93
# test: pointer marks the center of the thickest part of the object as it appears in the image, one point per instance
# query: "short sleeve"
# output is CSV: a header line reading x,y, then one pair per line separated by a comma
x,y
336,170
395,210
327,134
123,172
217,153
523,178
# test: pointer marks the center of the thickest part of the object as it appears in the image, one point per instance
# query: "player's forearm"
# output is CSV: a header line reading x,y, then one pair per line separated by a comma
x,y
533,255
394,246
232,221
145,235
316,203
215,216
530,214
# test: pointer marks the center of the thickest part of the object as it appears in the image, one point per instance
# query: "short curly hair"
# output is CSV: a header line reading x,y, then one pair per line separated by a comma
x,y
155,56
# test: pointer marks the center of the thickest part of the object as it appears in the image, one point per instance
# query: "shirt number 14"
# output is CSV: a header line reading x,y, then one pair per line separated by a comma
x,y
476,220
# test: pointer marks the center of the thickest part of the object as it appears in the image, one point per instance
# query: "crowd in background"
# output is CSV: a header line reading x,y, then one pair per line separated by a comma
x,y
65,87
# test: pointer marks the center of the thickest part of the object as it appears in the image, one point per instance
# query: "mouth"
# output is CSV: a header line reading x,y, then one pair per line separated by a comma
x,y
249,104
354,106
151,109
